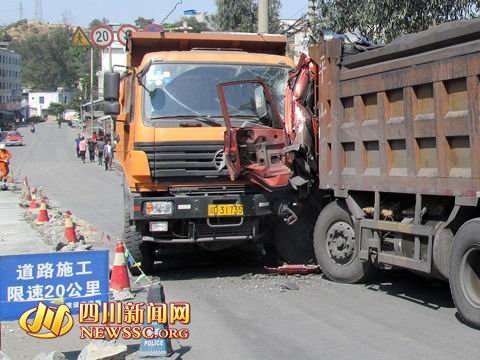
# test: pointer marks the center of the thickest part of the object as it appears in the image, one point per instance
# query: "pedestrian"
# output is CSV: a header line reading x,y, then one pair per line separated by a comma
x,y
108,154
5,157
77,143
83,148
100,146
94,136
91,149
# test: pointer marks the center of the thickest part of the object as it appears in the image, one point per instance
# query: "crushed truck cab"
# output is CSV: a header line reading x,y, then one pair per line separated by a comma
x,y
171,129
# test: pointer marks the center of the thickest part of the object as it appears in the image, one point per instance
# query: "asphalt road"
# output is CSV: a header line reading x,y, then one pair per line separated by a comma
x,y
238,311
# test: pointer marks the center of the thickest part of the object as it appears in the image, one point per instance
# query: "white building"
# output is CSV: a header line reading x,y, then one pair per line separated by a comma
x,y
10,80
39,102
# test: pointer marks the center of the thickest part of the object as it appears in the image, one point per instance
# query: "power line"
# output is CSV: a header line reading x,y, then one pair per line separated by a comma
x,y
170,13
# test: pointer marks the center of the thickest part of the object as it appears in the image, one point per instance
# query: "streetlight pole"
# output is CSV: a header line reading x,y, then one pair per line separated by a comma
x,y
263,16
91,91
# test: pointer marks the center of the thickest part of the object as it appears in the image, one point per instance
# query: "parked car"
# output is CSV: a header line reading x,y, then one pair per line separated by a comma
x,y
13,138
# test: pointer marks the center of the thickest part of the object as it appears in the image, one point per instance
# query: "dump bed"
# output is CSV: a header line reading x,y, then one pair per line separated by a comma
x,y
402,118
142,43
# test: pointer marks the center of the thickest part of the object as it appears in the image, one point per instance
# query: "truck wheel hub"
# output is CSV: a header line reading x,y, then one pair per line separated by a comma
x,y
341,242
470,276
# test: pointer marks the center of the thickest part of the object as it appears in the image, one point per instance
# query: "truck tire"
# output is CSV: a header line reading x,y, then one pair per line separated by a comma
x,y
465,272
142,252
336,247
293,244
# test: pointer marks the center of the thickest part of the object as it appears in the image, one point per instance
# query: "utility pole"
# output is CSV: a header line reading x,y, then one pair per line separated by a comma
x,y
20,10
312,7
263,16
91,91
38,10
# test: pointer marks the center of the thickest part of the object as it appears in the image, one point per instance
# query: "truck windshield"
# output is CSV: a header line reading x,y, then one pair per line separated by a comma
x,y
183,90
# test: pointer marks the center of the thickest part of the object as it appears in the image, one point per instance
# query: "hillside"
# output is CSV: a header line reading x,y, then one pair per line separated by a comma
x,y
20,30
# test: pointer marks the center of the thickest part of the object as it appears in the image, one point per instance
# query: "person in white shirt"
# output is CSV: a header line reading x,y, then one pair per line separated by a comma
x,y
108,155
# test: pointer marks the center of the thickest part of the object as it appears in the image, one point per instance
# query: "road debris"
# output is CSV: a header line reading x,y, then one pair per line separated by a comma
x,y
294,269
54,355
290,285
103,350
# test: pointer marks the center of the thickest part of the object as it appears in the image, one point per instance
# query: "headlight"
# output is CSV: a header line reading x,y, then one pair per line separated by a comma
x,y
159,208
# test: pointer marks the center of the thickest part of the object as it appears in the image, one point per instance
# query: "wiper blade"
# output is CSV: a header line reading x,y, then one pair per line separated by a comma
x,y
203,119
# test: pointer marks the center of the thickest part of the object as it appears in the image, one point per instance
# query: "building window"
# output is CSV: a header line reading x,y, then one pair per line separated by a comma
x,y
42,100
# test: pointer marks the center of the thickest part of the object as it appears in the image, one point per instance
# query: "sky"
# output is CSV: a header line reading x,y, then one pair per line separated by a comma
x,y
81,12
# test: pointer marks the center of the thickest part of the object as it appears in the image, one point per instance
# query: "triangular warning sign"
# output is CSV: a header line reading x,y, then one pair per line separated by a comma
x,y
79,38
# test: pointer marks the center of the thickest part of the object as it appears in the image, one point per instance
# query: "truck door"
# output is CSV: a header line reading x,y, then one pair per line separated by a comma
x,y
254,149
276,153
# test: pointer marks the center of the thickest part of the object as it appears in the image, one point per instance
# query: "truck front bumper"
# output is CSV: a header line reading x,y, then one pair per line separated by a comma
x,y
189,221
191,207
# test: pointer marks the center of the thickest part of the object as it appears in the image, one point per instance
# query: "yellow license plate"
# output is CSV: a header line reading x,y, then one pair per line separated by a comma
x,y
225,210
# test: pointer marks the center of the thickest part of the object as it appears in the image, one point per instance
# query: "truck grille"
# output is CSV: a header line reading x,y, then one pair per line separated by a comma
x,y
184,159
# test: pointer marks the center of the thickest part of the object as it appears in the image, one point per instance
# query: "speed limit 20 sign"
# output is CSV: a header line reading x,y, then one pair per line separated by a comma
x,y
102,36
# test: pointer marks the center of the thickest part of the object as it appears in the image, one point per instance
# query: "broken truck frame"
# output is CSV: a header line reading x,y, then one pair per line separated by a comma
x,y
395,134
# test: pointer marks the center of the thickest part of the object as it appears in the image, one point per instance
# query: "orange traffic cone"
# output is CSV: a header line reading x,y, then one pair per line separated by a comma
x,y
43,213
33,202
70,235
119,279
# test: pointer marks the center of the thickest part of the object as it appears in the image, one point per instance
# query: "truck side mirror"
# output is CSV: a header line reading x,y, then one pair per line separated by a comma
x,y
111,107
111,85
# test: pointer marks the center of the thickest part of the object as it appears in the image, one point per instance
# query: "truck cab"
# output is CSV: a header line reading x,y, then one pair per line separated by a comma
x,y
171,129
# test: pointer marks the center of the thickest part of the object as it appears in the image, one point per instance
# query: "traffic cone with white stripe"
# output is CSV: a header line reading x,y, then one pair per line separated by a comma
x,y
119,280
43,213
33,202
70,235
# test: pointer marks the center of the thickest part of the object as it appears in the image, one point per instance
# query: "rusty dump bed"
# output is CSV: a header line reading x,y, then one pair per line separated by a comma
x,y
144,42
406,124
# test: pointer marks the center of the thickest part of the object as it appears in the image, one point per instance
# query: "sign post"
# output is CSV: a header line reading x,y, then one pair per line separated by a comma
x,y
101,37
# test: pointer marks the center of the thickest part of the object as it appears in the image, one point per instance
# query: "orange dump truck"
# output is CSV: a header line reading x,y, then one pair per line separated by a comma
x,y
171,130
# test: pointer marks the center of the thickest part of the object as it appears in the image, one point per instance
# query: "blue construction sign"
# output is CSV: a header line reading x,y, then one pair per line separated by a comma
x,y
66,277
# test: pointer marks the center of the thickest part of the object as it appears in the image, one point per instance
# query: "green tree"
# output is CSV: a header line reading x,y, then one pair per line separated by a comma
x,y
49,60
384,20
141,22
97,22
242,15
56,109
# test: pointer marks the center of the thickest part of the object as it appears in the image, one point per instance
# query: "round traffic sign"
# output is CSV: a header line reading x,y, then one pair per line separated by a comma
x,y
102,36
124,32
153,28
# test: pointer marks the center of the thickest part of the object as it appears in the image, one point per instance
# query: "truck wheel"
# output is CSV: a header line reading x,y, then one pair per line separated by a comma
x,y
142,252
336,246
465,272
293,244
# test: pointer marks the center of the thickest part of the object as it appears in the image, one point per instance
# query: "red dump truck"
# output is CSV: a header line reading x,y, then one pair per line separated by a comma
x,y
385,145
